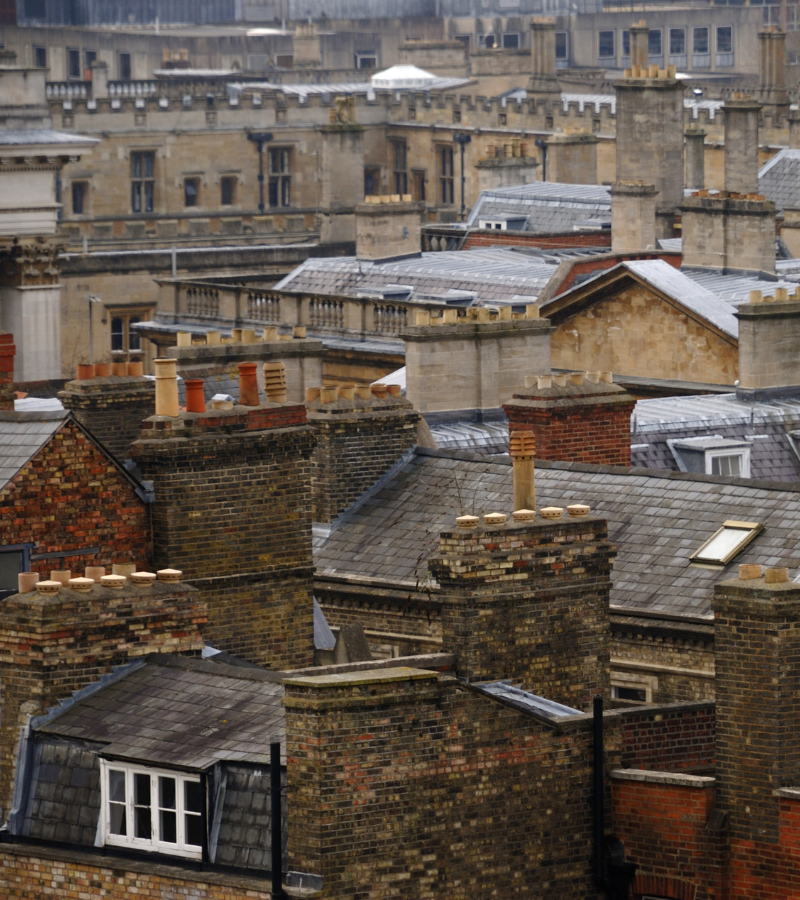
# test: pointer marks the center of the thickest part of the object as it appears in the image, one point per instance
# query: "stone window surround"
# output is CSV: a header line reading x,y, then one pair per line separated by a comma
x,y
153,844
126,313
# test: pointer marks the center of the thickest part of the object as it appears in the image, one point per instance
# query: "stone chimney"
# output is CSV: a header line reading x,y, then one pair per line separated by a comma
x,y
232,509
7,351
388,226
52,644
473,363
99,70
772,68
769,341
528,601
579,420
695,158
757,652
522,449
543,57
734,229
341,174
650,137
360,436
572,158
111,408
633,217
640,45
306,48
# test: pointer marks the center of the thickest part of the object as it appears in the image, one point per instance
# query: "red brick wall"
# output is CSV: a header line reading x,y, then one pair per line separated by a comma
x,y
588,433
597,265
7,350
71,496
491,238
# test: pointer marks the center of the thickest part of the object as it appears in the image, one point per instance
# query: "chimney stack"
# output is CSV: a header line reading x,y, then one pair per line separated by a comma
x,y
772,68
633,217
388,226
769,338
695,158
572,158
741,145
543,57
522,449
167,388
640,45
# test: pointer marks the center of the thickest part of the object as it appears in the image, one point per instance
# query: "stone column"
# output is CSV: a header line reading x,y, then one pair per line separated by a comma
x,y
543,57
695,158
633,217
741,145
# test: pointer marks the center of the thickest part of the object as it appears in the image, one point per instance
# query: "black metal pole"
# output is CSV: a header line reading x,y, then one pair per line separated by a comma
x,y
597,773
261,177
275,819
463,179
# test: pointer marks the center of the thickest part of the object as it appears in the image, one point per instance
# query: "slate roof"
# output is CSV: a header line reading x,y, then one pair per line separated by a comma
x,y
340,88
180,712
495,274
779,179
658,520
763,424
549,206
27,136
735,289
22,436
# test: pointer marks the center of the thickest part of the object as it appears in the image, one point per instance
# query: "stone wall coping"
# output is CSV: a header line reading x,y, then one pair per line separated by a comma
x,y
783,309
232,353
472,330
431,661
678,779
357,679
538,524
554,401
110,384
787,793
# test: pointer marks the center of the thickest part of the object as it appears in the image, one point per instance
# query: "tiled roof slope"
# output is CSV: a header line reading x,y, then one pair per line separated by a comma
x,y
181,712
779,179
496,274
764,425
22,436
657,519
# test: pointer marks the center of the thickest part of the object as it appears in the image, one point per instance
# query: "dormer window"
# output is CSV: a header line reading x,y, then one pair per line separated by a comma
x,y
712,455
151,809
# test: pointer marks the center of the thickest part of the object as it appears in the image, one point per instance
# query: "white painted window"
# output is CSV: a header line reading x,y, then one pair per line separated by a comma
x,y
152,809
735,463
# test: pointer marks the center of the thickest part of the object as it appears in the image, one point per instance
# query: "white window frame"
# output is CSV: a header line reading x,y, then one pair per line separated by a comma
x,y
742,452
748,532
636,681
482,40
154,844
363,56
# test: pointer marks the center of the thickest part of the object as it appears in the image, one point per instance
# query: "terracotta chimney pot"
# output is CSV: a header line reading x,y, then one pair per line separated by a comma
x,y
120,369
102,370
136,368
95,572
85,372
312,394
27,581
195,397
143,579
62,576
167,388
248,385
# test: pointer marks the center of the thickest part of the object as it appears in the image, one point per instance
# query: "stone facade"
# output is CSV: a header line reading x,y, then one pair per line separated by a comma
x,y
233,512
358,441
576,423
52,645
111,408
529,602
71,498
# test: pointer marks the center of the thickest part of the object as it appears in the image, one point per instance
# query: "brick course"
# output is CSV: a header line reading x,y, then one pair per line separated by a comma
x,y
7,352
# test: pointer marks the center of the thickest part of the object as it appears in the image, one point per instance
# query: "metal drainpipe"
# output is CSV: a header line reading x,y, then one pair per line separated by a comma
x,y
542,145
275,819
597,773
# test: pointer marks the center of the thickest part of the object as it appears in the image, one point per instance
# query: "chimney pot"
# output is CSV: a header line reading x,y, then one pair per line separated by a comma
x,y
167,388
450,317
81,584
578,510
222,402
593,377
143,579
577,378
85,372
544,381
102,370
312,394
270,333
170,576
467,521
236,335
781,295
379,390
532,311
347,391
521,444
275,381
184,339
395,390
195,397
495,519
136,369
551,512
113,581
27,581
523,515
776,574
124,569
422,317
756,297
248,385
748,572
299,331
248,336
95,572
607,377
560,380
213,337
48,587
364,392
62,576
329,394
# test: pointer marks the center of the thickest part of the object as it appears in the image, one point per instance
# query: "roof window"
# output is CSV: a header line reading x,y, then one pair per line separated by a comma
x,y
727,542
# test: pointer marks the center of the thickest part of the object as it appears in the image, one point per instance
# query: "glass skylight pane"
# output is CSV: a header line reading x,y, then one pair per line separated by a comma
x,y
723,544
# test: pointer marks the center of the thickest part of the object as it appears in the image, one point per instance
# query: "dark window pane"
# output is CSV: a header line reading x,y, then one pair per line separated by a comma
x,y
168,827
626,693
654,42
142,817
136,165
626,43
511,40
35,9
116,786
148,196
193,826
10,567
226,185
605,43
193,796
141,790
149,163
119,819
124,67
134,338
677,41
273,191
190,192
561,45
73,63
118,341
40,57
166,793
78,192
725,39
700,40
89,56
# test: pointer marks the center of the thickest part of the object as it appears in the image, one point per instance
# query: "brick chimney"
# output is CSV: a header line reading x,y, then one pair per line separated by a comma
x,y
650,137
769,341
577,421
233,510
7,352
53,644
359,438
528,601
388,226
757,650
111,408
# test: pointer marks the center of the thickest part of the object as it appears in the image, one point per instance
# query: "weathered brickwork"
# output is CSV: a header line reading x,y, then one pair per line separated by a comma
x,y
404,785
52,645
7,351
233,512
488,238
529,601
111,408
670,738
34,874
576,423
71,496
356,445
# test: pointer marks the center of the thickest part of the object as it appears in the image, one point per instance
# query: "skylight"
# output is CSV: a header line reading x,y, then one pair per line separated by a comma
x,y
726,543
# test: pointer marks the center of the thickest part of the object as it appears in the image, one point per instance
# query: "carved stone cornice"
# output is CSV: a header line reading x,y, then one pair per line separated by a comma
x,y
30,262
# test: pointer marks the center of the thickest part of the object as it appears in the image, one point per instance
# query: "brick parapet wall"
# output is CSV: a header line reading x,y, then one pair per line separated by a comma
x,y
757,639
53,645
354,449
233,512
491,238
594,428
71,497
529,601
112,408
420,788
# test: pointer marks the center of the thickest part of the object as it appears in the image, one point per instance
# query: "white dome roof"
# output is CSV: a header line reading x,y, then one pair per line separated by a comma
x,y
399,77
